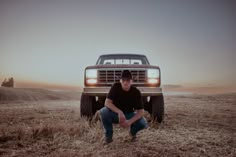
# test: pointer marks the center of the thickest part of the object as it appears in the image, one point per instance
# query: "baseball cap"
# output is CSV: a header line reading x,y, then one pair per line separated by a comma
x,y
126,75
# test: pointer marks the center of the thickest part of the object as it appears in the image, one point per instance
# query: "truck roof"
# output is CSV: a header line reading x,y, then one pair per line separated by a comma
x,y
122,54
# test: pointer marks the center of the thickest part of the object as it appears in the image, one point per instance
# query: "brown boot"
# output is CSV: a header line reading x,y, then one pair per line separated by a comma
x,y
107,140
133,138
130,138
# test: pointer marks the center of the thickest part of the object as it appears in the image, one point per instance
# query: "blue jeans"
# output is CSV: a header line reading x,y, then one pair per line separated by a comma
x,y
108,117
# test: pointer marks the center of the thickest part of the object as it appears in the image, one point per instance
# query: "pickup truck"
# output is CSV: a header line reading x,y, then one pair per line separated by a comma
x,y
99,78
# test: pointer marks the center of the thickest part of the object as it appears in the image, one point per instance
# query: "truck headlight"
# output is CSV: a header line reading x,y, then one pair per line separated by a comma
x,y
153,76
91,76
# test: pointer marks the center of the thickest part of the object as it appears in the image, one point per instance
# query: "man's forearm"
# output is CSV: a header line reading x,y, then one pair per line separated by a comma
x,y
137,116
112,107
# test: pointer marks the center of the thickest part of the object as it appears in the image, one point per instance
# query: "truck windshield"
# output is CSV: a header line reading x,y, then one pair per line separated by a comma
x,y
123,60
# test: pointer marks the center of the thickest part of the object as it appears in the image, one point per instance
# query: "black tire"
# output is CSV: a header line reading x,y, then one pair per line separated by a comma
x,y
146,104
145,100
87,104
157,107
101,102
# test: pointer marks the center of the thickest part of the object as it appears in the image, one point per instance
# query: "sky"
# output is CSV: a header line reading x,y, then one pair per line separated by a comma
x,y
51,42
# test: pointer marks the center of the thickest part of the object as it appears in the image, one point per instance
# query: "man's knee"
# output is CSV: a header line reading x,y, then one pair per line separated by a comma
x,y
142,123
105,113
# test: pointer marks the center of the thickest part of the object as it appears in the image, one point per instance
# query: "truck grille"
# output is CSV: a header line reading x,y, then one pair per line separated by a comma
x,y
111,76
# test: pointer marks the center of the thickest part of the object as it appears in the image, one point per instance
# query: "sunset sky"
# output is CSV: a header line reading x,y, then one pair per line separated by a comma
x,y
51,42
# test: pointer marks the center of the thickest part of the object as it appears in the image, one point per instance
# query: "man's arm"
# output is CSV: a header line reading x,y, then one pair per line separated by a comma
x,y
109,104
137,116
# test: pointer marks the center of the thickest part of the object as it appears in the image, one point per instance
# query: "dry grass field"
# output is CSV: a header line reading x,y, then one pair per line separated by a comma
x,y
43,123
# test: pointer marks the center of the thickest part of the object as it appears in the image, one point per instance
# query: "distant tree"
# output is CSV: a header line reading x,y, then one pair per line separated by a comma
x,y
8,82
11,82
4,83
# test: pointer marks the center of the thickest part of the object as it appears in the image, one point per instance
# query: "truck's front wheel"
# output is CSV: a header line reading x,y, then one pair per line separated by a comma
x,y
157,107
87,104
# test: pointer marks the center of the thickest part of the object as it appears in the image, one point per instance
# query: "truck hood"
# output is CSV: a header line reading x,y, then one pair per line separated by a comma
x,y
120,66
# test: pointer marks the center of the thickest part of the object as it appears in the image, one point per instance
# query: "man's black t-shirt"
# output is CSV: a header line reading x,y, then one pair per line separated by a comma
x,y
126,101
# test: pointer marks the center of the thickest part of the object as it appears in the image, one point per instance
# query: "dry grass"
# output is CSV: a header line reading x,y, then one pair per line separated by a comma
x,y
35,94
195,125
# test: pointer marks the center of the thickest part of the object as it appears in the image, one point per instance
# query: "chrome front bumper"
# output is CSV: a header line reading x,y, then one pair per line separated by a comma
x,y
102,91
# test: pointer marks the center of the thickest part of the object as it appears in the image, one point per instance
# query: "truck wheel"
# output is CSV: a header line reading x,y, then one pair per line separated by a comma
x,y
87,104
101,102
146,104
157,107
145,100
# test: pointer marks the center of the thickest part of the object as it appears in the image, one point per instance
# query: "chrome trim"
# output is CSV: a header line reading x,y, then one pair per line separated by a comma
x,y
98,91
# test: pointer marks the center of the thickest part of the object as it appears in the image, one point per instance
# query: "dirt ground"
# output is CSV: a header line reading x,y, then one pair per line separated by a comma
x,y
194,125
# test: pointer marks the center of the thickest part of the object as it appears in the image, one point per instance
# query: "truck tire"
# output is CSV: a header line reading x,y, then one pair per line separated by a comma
x,y
157,107
101,102
146,104
145,100
87,104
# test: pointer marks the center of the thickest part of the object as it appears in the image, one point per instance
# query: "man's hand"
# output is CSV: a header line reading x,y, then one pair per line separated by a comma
x,y
125,124
121,117
129,122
